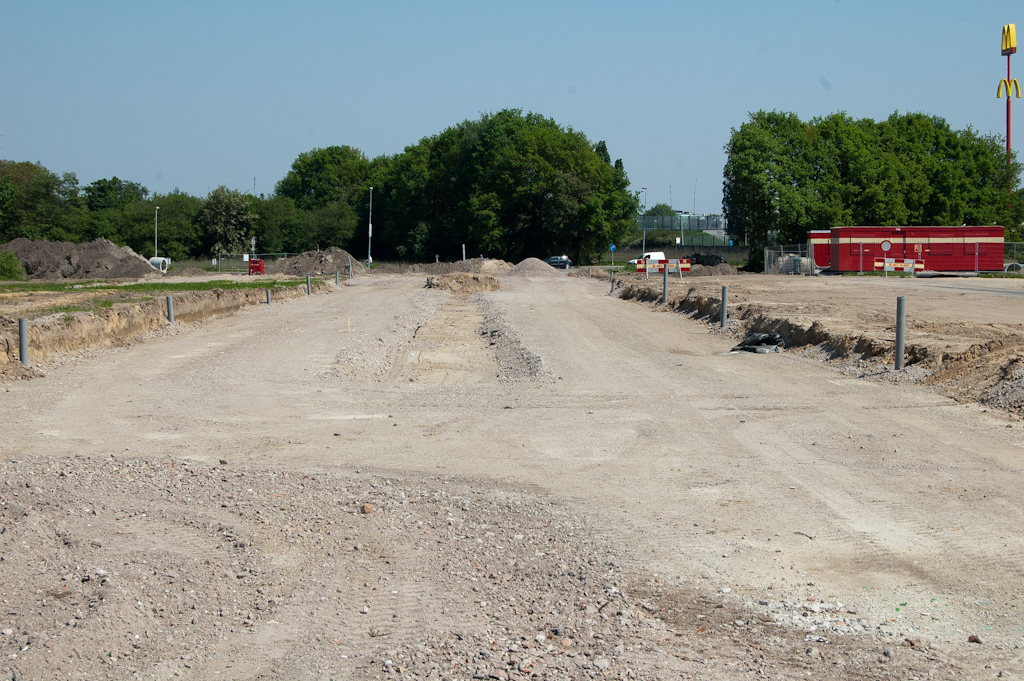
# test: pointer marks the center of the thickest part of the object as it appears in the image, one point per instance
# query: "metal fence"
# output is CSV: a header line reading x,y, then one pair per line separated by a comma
x,y
237,262
787,260
794,259
686,222
1013,252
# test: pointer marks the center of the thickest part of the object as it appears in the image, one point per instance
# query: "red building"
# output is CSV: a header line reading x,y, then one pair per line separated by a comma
x,y
942,249
821,247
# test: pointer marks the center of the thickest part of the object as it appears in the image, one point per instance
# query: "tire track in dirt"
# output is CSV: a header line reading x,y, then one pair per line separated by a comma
x,y
448,348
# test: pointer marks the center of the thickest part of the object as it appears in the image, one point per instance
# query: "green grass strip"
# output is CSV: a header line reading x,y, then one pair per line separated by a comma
x,y
83,286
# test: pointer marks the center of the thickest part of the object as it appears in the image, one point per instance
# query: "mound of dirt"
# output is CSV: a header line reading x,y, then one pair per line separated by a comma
x,y
99,259
464,282
533,267
327,261
487,266
190,272
720,270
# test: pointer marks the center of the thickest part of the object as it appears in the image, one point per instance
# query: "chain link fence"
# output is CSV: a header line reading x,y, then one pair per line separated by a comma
x,y
794,259
239,262
787,260
1013,254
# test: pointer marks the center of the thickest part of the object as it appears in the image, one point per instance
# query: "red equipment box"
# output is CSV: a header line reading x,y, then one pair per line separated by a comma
x,y
256,267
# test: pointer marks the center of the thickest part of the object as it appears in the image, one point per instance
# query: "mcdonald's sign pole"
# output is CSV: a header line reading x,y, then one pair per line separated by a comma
x,y
1009,46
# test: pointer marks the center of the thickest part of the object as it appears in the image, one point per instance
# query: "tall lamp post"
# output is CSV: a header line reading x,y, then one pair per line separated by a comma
x,y
369,235
644,248
156,225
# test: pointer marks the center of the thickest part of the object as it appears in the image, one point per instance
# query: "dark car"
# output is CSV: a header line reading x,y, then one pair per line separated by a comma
x,y
559,261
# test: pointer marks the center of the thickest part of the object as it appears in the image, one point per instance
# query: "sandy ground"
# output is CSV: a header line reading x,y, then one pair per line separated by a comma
x,y
543,481
964,337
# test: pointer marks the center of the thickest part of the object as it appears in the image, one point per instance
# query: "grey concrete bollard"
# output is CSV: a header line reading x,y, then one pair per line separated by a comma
x,y
664,285
724,314
901,329
170,310
309,285
268,296
350,267
337,277
613,282
23,340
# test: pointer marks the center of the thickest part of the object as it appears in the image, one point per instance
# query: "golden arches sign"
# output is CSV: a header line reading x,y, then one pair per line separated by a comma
x,y
1009,39
1010,84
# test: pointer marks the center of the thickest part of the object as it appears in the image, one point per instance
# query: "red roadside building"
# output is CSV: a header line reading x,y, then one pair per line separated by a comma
x,y
937,249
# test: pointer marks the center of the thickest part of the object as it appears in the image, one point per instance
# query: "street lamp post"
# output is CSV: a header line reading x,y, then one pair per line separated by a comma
x,y
156,225
644,248
369,235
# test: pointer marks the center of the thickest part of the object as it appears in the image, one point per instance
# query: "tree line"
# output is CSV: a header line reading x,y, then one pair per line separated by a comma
x,y
784,176
508,185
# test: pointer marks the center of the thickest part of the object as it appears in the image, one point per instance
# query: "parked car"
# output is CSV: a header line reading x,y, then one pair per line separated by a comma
x,y
652,255
560,261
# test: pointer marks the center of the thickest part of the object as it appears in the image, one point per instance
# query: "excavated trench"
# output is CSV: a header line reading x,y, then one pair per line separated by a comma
x,y
70,333
990,372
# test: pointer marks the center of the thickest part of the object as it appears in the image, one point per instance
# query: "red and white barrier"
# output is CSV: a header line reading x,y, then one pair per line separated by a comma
x,y
899,265
660,265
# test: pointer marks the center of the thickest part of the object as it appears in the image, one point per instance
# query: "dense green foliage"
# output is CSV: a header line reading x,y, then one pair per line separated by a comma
x,y
661,209
784,176
10,268
508,186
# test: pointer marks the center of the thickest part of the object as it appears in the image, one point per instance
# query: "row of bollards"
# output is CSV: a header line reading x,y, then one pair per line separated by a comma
x,y
901,317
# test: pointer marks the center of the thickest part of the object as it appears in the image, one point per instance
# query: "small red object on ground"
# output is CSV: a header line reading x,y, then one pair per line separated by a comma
x,y
256,267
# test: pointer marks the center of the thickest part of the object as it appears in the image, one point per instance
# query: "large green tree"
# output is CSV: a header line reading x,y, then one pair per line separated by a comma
x,y
226,221
661,210
508,185
322,176
784,176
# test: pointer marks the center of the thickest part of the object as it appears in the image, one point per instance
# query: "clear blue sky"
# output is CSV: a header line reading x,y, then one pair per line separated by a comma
x,y
197,94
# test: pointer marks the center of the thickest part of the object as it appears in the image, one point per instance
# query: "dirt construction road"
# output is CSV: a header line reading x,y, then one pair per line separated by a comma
x,y
544,481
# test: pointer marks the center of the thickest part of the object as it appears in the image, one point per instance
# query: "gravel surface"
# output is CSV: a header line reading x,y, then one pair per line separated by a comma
x,y
533,268
541,481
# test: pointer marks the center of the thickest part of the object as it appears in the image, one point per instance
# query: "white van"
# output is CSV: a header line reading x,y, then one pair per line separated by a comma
x,y
652,255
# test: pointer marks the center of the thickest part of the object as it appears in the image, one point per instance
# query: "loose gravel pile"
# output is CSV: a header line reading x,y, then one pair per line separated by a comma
x,y
532,268
722,269
316,263
464,282
99,259
468,265
387,576
127,567
515,362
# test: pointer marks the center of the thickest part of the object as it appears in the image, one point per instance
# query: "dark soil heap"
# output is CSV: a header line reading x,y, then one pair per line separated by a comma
x,y
473,265
316,263
99,259
464,282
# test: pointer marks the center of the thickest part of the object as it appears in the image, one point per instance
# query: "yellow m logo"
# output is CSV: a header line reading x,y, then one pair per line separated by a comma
x,y
1009,39
1010,84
